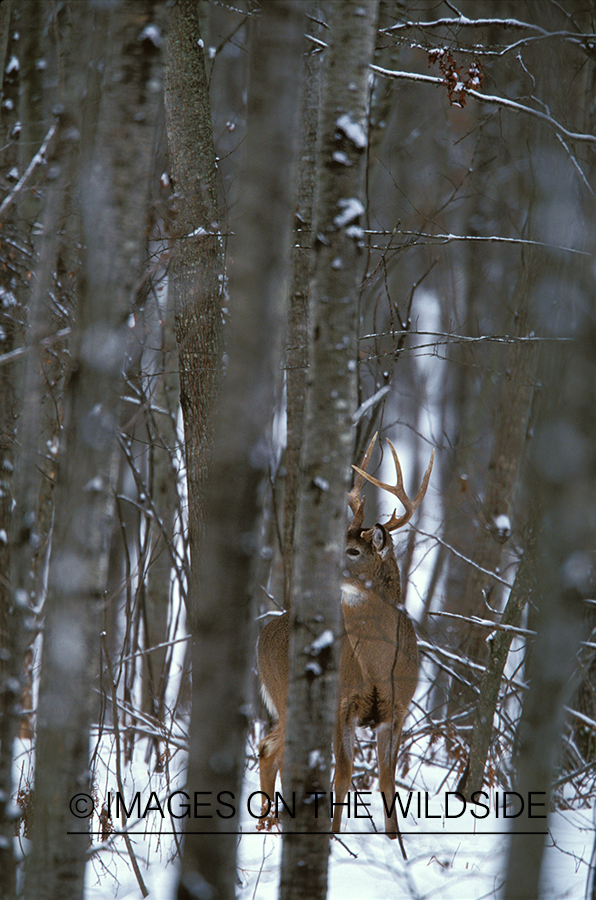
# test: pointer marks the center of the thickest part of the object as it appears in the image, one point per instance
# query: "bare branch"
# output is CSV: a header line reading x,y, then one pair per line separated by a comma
x,y
368,404
466,338
491,98
490,239
465,558
6,358
486,623
463,22
38,158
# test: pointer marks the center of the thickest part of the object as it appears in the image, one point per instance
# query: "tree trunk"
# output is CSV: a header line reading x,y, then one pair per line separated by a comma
x,y
162,395
110,190
490,684
220,584
561,472
196,271
563,489
328,443
297,324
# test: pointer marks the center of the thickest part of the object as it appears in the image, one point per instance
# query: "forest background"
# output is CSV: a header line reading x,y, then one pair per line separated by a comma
x,y
235,241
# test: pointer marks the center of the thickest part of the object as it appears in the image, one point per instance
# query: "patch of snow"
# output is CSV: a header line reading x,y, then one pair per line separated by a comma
x,y
342,158
325,639
352,130
351,209
152,33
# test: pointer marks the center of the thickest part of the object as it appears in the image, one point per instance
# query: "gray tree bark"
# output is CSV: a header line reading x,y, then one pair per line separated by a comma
x,y
561,473
196,271
297,321
328,444
109,193
563,489
163,395
222,608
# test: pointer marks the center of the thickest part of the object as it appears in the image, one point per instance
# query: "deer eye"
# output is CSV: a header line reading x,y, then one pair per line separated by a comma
x,y
353,551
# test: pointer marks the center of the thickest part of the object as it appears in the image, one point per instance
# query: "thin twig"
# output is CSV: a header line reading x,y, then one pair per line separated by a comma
x,y
127,840
464,558
6,358
478,238
490,98
486,623
38,158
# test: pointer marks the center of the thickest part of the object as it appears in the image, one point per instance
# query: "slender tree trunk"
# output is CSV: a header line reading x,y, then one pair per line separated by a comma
x,y
221,606
490,684
561,471
500,508
297,324
20,463
328,445
162,394
109,199
563,489
5,13
196,272
509,443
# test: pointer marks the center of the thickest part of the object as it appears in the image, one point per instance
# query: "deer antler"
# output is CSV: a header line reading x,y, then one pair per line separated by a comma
x,y
355,502
397,490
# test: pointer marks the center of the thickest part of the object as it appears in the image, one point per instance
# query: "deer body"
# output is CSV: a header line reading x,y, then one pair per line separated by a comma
x,y
378,660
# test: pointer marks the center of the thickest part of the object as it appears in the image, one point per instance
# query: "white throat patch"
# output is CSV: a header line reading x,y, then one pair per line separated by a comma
x,y
352,595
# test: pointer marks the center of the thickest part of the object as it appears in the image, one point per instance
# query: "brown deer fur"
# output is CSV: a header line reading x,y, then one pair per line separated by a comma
x,y
378,657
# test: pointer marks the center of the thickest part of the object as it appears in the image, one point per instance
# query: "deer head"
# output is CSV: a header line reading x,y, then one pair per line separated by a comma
x,y
378,665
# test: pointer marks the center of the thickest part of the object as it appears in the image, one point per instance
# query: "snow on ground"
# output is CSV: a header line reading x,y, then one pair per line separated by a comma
x,y
443,863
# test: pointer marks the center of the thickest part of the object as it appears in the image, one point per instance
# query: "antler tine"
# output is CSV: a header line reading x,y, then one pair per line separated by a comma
x,y
355,503
398,490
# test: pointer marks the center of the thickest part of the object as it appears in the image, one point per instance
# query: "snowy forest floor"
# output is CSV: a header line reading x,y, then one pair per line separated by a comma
x,y
450,856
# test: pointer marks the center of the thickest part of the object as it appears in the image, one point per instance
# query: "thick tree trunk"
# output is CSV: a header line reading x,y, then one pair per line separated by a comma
x,y
561,474
563,490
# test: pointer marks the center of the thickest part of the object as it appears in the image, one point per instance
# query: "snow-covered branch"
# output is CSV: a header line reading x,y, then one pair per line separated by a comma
x,y
445,337
485,623
465,22
491,98
38,158
372,401
489,239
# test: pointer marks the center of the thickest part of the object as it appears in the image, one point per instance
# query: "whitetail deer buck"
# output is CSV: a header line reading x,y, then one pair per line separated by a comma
x,y
378,665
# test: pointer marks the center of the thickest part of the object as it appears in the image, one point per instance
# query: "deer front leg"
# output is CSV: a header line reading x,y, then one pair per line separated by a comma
x,y
344,761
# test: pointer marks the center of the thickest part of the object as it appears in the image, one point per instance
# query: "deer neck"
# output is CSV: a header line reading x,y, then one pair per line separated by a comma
x,y
385,586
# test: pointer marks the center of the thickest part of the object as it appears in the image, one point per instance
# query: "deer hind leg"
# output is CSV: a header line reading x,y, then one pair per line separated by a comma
x,y
343,748
388,740
271,750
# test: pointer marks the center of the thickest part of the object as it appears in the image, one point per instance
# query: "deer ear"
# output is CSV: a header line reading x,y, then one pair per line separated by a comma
x,y
379,538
